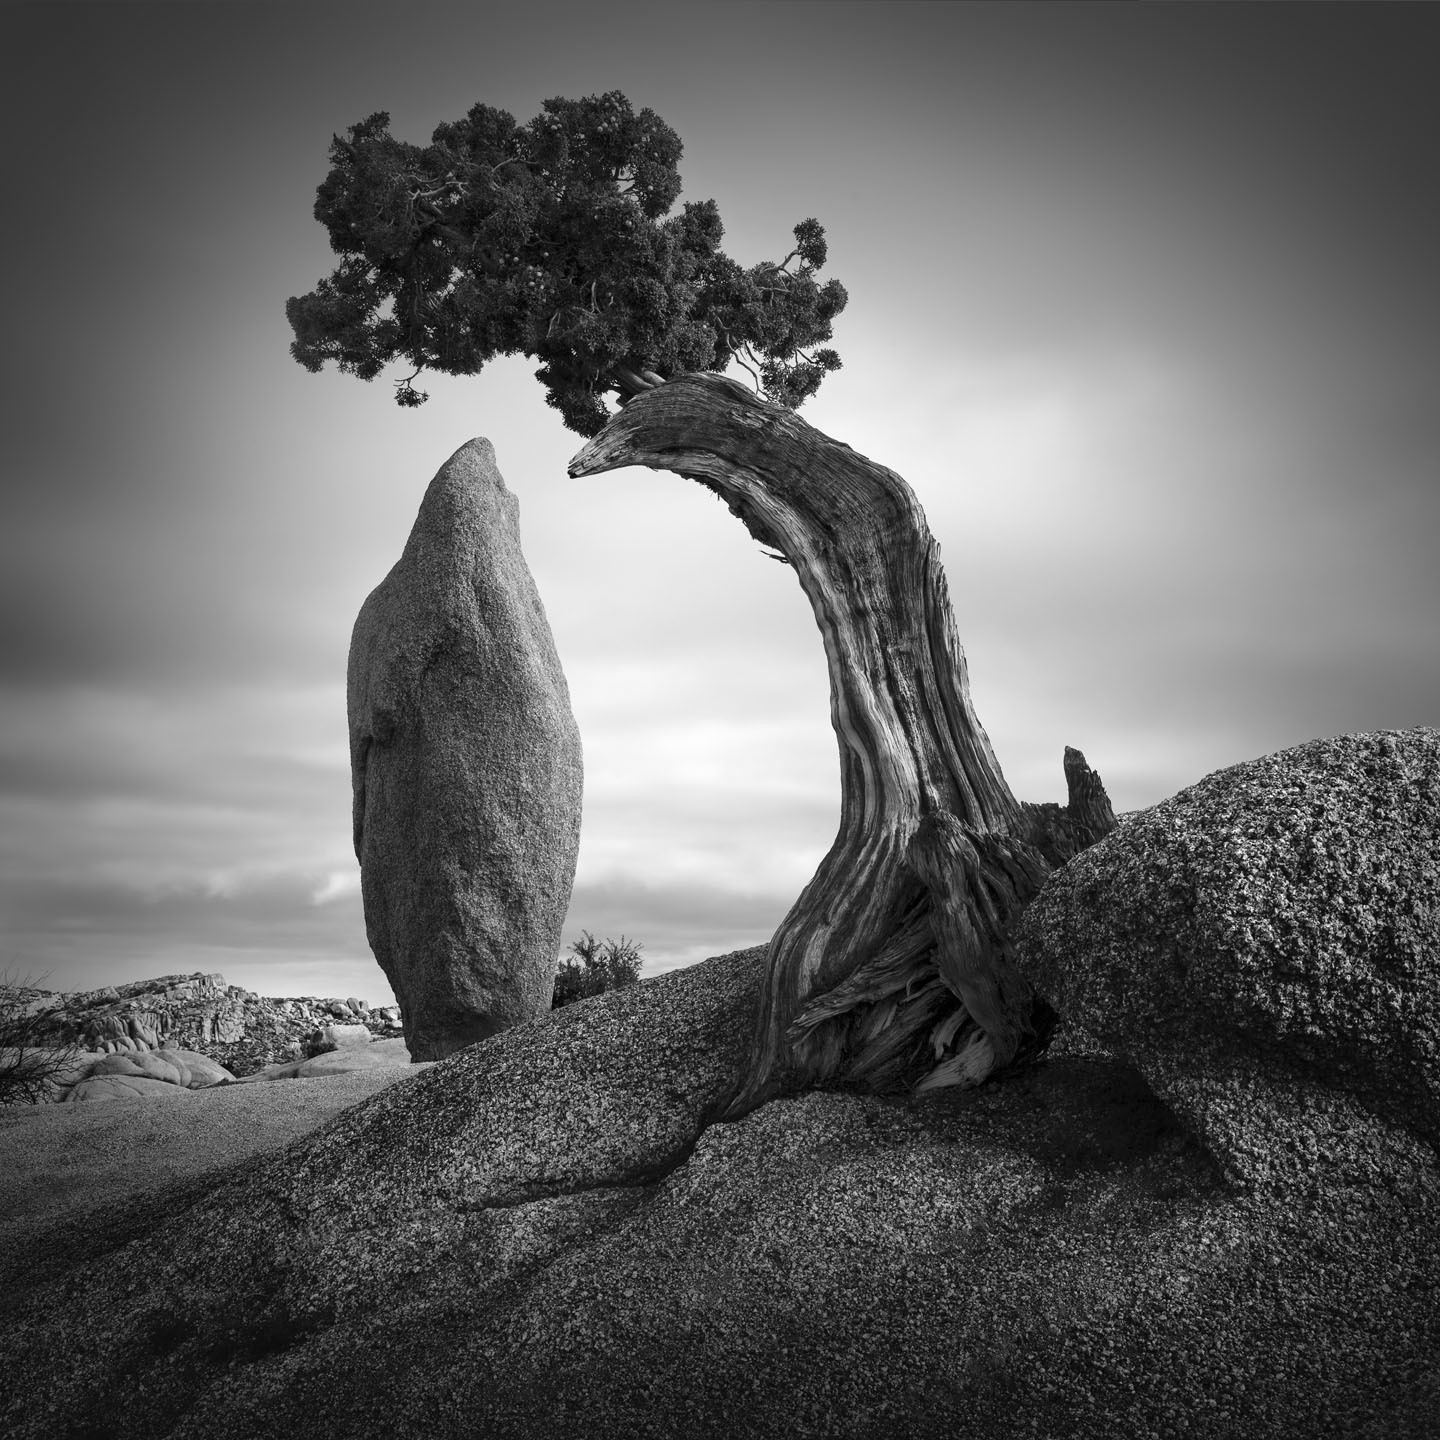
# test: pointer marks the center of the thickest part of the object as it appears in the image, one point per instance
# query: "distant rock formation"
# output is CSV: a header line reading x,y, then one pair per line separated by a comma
x,y
153,1074
466,769
187,1069
357,1052
1264,947
239,1030
99,1089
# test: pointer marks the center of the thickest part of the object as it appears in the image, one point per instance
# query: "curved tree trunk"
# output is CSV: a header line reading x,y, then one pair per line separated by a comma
x,y
893,965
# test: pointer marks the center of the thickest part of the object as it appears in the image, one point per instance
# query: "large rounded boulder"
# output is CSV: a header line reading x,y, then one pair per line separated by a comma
x,y
1265,948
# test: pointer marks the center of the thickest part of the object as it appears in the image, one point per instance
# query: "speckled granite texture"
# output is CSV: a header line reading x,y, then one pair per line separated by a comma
x,y
542,1237
1265,948
465,766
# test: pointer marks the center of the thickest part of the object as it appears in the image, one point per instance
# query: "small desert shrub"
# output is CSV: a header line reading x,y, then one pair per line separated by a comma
x,y
594,966
37,1045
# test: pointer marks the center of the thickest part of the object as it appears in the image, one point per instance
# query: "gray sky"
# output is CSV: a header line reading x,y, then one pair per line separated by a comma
x,y
1144,305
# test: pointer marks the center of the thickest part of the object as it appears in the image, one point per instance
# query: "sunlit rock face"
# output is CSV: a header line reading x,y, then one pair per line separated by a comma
x,y
1265,948
466,768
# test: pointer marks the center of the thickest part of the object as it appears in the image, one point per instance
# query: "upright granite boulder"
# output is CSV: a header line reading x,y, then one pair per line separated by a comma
x,y
1265,948
466,769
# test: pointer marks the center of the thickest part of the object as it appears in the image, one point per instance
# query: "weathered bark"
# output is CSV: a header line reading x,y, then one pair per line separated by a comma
x,y
894,960
1060,831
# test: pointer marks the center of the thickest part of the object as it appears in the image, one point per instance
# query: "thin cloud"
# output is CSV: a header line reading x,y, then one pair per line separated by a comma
x,y
337,885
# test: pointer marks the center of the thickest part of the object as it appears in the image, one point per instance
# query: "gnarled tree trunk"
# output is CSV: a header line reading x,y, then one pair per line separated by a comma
x,y
893,966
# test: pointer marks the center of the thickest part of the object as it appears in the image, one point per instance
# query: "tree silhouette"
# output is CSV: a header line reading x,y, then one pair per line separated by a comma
x,y
552,240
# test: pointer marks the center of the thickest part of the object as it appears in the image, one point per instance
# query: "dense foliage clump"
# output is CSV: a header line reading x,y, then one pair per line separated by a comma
x,y
594,967
552,240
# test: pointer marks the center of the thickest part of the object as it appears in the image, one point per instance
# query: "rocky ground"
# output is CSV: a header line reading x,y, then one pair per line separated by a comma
x,y
545,1235
73,1172
1212,1209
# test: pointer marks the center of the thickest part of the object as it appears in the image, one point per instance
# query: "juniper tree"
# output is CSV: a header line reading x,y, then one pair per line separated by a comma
x,y
553,240
894,967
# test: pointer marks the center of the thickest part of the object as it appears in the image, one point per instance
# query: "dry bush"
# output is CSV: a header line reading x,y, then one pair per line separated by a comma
x,y
596,966
39,1043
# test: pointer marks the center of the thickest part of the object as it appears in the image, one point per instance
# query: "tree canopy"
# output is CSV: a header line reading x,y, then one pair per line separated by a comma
x,y
553,240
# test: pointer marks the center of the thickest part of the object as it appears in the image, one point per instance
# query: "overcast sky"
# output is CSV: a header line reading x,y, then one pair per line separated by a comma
x,y
1143,303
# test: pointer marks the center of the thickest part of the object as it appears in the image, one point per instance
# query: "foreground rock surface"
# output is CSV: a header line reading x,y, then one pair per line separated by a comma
x,y
64,1167
541,1236
466,768
1265,948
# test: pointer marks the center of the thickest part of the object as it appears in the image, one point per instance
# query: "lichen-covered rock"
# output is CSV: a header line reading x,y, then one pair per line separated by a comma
x,y
466,769
1265,948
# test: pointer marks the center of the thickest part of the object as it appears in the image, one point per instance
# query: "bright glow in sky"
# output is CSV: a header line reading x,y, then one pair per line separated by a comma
x,y
1143,305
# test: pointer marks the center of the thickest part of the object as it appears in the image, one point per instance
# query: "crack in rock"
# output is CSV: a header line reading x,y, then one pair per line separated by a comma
x,y
640,1178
